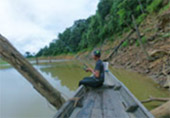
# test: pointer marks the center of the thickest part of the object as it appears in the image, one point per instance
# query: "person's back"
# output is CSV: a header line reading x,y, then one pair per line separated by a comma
x,y
98,73
99,66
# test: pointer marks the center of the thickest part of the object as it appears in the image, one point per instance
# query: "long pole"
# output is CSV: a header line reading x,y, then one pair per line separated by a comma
x,y
12,56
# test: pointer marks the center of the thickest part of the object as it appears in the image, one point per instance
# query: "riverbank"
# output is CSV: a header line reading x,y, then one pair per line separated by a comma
x,y
155,36
134,61
156,40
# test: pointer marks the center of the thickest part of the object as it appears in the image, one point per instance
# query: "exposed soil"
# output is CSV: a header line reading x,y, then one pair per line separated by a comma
x,y
133,58
155,31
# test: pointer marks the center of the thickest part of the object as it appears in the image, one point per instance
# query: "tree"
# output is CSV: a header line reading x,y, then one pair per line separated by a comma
x,y
112,18
28,54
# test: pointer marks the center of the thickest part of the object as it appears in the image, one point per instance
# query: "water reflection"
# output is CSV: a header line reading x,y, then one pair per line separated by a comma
x,y
70,73
18,99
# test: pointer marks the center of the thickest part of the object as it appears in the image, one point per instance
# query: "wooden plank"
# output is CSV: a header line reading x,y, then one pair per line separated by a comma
x,y
132,97
68,107
88,105
112,105
105,102
97,111
129,103
75,112
140,114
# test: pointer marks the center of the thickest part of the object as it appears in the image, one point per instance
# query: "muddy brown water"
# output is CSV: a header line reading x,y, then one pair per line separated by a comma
x,y
18,99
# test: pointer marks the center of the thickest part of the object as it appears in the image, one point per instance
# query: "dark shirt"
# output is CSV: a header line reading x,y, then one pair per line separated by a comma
x,y
100,67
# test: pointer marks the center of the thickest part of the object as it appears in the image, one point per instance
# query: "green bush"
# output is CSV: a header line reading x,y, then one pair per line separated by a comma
x,y
144,40
141,18
166,7
125,44
154,6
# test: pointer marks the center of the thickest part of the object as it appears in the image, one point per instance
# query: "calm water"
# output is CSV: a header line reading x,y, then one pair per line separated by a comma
x,y
18,99
141,86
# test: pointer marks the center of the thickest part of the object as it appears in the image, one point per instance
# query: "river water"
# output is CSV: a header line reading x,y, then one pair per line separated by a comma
x,y
18,99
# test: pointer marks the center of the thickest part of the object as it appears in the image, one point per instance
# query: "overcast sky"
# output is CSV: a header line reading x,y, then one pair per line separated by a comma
x,y
31,24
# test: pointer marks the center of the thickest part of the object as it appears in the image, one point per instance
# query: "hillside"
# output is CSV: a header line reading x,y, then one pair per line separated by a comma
x,y
156,40
112,31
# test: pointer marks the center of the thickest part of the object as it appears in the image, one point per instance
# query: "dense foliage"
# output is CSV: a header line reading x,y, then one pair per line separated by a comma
x,y
111,19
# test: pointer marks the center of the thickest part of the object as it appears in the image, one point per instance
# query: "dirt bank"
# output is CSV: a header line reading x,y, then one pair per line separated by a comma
x,y
155,34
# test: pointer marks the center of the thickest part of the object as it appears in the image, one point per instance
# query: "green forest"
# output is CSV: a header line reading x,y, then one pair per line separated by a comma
x,y
112,18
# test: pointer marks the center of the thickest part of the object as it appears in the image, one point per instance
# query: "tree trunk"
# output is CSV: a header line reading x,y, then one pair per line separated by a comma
x,y
12,56
141,6
163,111
115,50
139,39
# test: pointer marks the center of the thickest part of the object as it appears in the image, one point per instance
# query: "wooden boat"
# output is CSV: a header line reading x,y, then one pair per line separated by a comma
x,y
112,100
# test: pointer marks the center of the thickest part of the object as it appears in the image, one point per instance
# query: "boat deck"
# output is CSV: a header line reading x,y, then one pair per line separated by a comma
x,y
112,100
101,103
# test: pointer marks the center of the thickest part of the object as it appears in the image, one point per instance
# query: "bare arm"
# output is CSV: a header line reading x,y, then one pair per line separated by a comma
x,y
96,73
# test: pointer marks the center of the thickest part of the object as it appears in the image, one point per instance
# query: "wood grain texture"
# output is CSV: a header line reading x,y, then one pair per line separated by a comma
x,y
12,56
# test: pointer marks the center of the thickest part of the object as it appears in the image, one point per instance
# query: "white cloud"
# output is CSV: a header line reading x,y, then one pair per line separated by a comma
x,y
32,24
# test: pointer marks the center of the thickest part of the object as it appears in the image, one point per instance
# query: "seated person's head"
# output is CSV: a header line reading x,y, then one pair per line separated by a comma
x,y
96,55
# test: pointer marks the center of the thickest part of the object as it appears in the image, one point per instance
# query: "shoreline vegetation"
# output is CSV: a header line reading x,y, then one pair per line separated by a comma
x,y
131,35
119,43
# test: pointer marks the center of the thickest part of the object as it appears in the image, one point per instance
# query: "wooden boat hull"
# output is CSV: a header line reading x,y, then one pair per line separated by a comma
x,y
112,100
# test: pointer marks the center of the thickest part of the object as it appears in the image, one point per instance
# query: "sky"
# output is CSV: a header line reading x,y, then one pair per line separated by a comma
x,y
31,24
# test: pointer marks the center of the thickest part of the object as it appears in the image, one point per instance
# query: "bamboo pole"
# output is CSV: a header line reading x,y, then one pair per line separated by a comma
x,y
12,56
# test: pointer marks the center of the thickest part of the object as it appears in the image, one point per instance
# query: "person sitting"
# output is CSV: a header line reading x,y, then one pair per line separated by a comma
x,y
98,73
